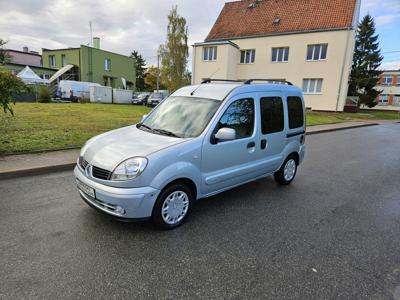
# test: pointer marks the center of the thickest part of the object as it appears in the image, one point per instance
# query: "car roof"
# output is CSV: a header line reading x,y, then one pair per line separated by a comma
x,y
220,90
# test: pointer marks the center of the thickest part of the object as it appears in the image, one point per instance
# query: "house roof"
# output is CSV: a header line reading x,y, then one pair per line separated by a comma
x,y
249,18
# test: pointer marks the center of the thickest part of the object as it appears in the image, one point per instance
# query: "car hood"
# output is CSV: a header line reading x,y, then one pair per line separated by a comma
x,y
109,149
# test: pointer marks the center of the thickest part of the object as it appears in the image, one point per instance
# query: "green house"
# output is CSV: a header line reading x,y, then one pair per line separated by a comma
x,y
92,64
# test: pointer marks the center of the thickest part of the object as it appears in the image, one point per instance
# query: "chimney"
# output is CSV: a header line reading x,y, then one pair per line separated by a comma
x,y
96,42
25,49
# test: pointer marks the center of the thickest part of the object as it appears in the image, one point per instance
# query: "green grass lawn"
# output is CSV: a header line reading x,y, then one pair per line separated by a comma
x,y
54,126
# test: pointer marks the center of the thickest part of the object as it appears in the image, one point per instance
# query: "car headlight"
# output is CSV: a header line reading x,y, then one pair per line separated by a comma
x,y
129,169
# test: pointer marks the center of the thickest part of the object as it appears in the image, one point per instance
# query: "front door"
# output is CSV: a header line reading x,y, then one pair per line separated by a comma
x,y
272,137
229,163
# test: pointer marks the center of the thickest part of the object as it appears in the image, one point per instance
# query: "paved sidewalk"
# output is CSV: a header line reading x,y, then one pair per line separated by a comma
x,y
38,163
27,164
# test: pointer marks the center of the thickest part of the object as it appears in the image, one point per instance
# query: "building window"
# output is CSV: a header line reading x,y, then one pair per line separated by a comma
x,y
247,56
317,52
210,53
107,64
312,86
239,116
383,99
63,60
387,80
280,54
396,100
295,111
52,61
398,79
272,119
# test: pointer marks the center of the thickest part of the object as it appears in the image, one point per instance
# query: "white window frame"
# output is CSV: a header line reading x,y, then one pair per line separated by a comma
x,y
210,53
284,50
315,87
320,52
396,100
384,81
251,59
107,64
383,99
52,61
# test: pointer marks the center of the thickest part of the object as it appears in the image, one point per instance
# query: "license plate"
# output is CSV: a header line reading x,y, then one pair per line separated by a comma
x,y
86,189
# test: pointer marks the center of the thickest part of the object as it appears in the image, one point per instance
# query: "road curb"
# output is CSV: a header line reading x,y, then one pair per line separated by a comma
x,y
341,128
36,171
69,166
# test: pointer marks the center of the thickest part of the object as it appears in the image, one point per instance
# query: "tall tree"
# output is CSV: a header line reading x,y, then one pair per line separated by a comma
x,y
140,65
174,53
10,85
4,57
150,79
366,61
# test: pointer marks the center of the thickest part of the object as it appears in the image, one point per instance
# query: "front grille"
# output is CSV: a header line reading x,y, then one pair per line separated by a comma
x,y
100,173
96,171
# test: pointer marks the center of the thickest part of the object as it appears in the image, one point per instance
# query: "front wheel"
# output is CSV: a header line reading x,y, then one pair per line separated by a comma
x,y
172,206
287,172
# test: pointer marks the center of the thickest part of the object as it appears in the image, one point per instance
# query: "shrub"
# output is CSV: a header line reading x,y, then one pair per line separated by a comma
x,y
43,95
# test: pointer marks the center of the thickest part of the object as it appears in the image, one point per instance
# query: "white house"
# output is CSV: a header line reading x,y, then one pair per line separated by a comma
x,y
309,43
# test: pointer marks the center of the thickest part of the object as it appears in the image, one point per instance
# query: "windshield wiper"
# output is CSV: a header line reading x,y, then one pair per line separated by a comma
x,y
145,126
165,132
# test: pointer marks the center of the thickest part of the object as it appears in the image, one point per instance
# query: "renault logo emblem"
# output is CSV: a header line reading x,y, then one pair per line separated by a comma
x,y
88,170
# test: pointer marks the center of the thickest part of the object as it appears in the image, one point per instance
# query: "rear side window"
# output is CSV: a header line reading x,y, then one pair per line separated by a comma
x,y
272,119
239,116
295,110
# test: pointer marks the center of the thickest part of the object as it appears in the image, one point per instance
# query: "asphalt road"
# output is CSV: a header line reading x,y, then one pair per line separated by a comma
x,y
333,234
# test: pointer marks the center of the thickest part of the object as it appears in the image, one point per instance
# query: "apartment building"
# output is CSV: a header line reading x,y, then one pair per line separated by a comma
x,y
309,43
389,84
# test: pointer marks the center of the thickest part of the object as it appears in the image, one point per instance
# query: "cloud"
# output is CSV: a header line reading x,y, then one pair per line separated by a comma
x,y
393,65
122,25
386,19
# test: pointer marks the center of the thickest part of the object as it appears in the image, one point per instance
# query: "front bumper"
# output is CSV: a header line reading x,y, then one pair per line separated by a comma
x,y
122,203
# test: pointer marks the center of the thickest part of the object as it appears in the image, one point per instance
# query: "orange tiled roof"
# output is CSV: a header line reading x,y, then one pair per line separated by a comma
x,y
238,20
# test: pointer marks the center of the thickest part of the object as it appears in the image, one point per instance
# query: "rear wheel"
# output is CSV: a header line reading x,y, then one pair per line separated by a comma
x,y
172,206
287,172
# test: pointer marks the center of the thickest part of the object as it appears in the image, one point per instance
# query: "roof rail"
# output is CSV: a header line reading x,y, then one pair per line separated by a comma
x,y
209,80
249,81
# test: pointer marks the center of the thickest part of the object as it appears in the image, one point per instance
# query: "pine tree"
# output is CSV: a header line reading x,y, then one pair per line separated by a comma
x,y
140,65
174,53
366,61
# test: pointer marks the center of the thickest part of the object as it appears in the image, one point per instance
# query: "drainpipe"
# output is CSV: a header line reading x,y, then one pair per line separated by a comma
x,y
342,69
193,64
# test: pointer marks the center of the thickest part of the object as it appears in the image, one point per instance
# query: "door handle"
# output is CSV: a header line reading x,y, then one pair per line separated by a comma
x,y
263,144
251,145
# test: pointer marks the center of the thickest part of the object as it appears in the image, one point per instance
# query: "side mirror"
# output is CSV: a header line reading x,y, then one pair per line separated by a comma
x,y
144,117
225,134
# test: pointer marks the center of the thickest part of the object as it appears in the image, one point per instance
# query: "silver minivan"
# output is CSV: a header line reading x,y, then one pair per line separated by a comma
x,y
202,140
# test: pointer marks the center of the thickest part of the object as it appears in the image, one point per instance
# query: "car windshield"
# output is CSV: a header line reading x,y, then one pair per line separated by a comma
x,y
181,116
156,95
141,96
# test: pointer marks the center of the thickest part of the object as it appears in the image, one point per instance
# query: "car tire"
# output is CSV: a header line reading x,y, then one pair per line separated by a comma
x,y
172,206
287,172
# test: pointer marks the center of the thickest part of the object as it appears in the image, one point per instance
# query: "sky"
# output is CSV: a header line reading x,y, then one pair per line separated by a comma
x,y
126,25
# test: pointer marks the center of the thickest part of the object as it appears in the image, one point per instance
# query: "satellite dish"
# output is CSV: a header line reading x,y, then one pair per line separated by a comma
x,y
123,82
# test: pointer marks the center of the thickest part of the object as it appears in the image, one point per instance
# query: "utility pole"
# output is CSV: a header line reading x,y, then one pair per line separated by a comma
x,y
158,72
